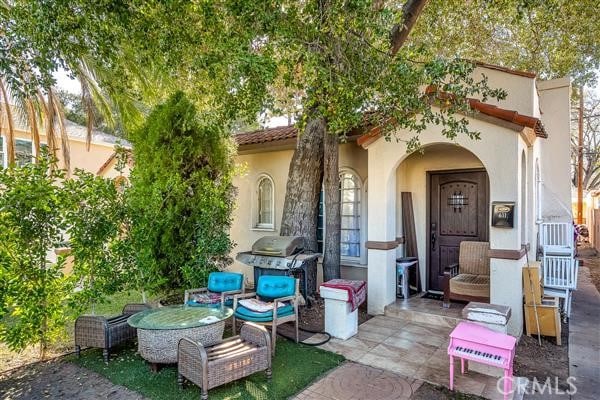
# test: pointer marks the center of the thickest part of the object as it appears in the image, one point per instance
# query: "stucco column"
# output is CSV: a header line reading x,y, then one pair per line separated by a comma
x,y
381,242
507,289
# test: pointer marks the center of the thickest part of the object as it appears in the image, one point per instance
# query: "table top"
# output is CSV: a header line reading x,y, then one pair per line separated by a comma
x,y
179,317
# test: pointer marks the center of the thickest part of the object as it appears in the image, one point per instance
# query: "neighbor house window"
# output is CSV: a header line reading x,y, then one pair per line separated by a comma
x,y
350,210
23,152
265,203
2,153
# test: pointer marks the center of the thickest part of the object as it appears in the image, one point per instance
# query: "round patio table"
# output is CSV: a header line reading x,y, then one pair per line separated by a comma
x,y
160,329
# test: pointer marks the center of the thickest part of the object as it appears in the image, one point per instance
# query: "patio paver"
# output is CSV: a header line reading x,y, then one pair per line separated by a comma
x,y
356,381
410,352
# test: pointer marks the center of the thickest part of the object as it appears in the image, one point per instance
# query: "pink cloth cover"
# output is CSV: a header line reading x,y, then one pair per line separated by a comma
x,y
357,290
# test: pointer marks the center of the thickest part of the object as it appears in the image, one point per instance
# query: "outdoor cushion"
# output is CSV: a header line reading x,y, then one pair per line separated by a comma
x,y
473,258
224,281
242,312
275,286
471,285
209,300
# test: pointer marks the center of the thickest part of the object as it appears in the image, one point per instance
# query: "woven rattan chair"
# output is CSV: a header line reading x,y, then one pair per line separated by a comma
x,y
469,280
227,361
105,333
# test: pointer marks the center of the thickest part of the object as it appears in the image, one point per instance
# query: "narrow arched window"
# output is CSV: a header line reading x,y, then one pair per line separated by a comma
x,y
350,213
265,203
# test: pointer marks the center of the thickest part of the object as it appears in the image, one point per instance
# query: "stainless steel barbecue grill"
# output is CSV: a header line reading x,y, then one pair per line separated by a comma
x,y
283,255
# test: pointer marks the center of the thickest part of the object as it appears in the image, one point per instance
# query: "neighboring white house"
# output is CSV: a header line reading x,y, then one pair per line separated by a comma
x,y
523,157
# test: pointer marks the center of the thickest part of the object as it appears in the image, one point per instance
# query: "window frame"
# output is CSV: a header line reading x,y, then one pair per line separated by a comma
x,y
256,224
361,260
4,149
359,213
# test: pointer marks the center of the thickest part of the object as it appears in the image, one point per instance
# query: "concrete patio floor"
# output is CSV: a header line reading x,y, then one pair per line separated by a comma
x,y
413,350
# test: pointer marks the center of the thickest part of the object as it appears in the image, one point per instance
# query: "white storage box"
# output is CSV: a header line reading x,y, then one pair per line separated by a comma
x,y
340,321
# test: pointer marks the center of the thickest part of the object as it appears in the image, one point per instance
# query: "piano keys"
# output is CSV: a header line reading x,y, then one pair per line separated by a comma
x,y
472,342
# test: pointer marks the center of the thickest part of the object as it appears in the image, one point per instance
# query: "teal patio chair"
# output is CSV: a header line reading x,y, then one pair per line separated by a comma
x,y
273,289
220,289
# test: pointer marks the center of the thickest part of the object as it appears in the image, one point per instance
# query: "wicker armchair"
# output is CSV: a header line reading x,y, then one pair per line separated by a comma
x,y
469,280
227,361
105,333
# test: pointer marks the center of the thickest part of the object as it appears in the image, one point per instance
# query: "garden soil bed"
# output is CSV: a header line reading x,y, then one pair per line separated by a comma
x,y
545,361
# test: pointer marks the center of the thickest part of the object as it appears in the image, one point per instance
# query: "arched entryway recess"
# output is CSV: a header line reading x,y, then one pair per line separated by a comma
x,y
497,153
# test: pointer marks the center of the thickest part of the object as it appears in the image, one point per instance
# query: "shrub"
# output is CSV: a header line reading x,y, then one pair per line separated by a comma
x,y
34,291
181,196
94,213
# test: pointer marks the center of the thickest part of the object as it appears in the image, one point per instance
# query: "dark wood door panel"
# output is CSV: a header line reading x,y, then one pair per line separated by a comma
x,y
458,211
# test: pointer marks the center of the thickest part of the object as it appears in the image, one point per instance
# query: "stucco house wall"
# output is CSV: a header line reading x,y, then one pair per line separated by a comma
x,y
556,159
275,164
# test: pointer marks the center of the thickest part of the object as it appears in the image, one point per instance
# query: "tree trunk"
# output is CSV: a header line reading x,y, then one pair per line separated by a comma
x,y
331,186
301,206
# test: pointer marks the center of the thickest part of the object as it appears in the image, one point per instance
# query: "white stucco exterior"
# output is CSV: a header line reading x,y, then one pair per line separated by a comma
x,y
509,153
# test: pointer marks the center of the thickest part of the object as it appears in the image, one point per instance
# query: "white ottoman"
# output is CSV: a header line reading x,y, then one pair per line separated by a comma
x,y
340,321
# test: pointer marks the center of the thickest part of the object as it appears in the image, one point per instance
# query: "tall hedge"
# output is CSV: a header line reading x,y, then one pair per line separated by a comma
x,y
181,196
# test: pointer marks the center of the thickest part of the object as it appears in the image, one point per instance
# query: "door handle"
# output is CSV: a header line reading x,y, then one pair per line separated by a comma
x,y
433,236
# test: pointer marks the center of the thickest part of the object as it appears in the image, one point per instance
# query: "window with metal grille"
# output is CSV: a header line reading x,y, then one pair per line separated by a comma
x,y
350,214
350,206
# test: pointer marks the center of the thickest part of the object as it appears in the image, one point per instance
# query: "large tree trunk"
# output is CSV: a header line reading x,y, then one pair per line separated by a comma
x,y
301,206
331,186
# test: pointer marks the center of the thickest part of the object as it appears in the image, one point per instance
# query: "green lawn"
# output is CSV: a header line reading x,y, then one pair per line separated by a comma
x,y
113,305
295,366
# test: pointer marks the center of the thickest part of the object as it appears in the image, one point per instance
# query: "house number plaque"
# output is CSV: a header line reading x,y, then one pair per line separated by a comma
x,y
503,214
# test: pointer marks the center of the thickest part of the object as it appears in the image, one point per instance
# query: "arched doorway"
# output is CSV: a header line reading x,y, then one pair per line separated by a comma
x,y
450,193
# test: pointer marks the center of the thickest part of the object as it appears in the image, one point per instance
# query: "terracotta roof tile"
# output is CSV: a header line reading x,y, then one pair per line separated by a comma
x,y
266,135
512,116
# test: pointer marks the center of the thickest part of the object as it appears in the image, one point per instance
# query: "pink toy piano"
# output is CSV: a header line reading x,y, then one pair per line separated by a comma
x,y
472,342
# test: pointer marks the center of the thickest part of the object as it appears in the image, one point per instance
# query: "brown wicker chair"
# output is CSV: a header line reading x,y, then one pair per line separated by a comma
x,y
105,333
469,280
227,361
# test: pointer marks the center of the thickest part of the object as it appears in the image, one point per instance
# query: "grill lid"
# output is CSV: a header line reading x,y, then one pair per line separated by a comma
x,y
278,246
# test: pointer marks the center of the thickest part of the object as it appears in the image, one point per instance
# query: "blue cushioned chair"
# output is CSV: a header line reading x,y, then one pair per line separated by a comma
x,y
276,289
222,283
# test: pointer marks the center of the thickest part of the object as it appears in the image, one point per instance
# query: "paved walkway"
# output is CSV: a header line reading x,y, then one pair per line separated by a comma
x,y
584,338
60,380
408,352
356,381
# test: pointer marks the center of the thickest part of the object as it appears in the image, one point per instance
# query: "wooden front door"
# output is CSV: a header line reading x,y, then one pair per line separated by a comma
x,y
458,211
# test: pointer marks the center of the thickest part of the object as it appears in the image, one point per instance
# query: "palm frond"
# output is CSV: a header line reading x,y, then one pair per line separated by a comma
x,y
49,121
10,131
33,125
92,96
54,102
88,106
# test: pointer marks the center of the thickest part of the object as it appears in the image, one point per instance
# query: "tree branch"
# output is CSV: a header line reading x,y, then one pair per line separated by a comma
x,y
411,11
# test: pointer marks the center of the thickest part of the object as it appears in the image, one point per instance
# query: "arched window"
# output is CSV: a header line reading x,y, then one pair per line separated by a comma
x,y
265,200
350,213
351,224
